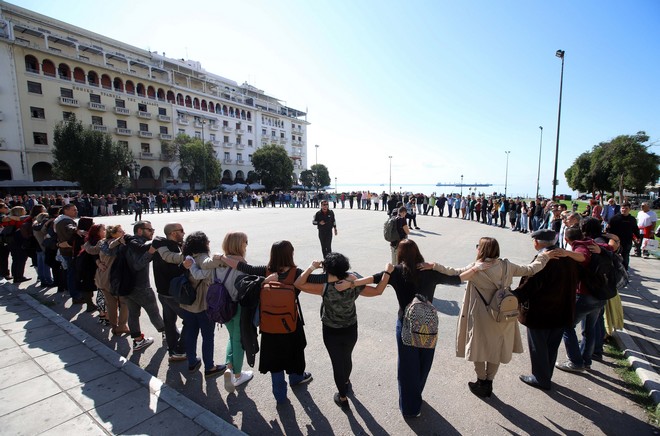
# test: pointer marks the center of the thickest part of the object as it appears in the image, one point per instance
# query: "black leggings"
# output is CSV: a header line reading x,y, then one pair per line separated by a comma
x,y
340,343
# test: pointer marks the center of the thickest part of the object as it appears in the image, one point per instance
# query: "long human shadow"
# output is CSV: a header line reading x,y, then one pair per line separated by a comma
x,y
517,418
320,423
448,307
608,420
367,417
431,422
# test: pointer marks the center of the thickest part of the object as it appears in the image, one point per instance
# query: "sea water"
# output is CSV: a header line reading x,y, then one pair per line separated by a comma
x,y
427,189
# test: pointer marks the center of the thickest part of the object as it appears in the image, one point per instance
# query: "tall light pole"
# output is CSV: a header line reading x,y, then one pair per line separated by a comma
x,y
316,161
203,121
390,174
538,174
461,185
506,174
335,185
559,54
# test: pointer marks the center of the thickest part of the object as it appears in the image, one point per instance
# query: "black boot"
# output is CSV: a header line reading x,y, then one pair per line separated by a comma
x,y
481,388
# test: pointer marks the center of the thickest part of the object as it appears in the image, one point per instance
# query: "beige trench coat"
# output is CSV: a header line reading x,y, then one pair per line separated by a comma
x,y
479,338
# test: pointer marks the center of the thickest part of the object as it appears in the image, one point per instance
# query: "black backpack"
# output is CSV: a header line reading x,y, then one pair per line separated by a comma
x,y
122,277
600,276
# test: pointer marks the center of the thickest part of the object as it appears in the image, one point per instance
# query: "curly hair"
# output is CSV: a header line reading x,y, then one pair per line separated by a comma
x,y
195,243
336,264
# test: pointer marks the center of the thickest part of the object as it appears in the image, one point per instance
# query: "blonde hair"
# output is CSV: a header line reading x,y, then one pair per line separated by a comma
x,y
111,230
17,211
233,243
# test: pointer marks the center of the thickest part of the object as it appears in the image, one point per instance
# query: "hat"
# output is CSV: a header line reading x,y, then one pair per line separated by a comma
x,y
544,235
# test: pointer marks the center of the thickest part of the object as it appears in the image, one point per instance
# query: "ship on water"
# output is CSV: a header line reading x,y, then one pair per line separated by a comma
x,y
464,185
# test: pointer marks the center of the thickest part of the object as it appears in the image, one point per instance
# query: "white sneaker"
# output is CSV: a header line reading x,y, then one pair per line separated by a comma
x,y
141,344
229,385
245,377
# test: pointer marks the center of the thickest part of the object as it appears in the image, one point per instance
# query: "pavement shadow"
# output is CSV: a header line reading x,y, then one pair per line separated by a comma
x,y
319,423
431,422
367,417
518,419
603,417
253,422
448,307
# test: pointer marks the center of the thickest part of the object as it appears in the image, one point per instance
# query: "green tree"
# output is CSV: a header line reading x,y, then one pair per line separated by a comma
x,y
197,159
273,167
578,175
89,157
321,176
307,178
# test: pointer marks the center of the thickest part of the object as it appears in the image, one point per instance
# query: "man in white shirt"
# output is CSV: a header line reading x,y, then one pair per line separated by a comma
x,y
646,220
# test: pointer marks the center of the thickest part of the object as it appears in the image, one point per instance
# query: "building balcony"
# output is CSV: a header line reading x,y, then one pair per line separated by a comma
x,y
182,121
264,136
143,114
122,131
96,106
148,155
214,126
165,136
198,124
215,142
145,134
122,111
228,144
297,131
164,118
240,146
68,101
282,140
240,131
240,162
227,129
227,160
99,127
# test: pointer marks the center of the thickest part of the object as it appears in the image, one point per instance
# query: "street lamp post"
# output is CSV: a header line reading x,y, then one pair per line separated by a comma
x,y
506,174
538,174
136,173
335,185
204,153
461,185
559,54
316,169
390,174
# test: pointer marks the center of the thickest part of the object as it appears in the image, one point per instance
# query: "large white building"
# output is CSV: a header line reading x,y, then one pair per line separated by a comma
x,y
50,70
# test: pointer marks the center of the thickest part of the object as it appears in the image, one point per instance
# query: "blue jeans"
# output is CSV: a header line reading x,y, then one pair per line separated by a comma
x,y
587,309
71,282
279,384
194,323
413,367
43,271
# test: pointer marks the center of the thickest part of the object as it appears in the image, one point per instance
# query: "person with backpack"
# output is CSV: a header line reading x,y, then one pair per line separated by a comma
x,y
280,352
338,314
410,277
480,338
195,320
547,302
399,222
235,245
167,264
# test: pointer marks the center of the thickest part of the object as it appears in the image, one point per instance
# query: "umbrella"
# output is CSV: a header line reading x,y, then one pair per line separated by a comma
x,y
235,188
256,186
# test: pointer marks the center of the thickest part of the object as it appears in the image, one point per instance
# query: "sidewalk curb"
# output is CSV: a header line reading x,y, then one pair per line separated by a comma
x,y
650,378
201,416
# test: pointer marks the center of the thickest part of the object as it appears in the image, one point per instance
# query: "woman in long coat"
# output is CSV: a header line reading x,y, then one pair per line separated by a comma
x,y
479,338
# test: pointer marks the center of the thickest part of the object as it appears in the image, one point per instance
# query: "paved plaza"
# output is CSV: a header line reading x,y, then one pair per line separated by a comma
x,y
88,369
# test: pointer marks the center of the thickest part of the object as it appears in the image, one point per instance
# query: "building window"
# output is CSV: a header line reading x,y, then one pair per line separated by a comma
x,y
272,133
226,155
67,115
163,129
225,124
121,124
249,129
249,143
142,107
66,92
144,127
145,148
34,87
97,121
198,135
123,144
239,157
95,98
40,138
226,139
250,158
37,112
120,103
162,111
238,125
182,131
263,132
238,139
212,137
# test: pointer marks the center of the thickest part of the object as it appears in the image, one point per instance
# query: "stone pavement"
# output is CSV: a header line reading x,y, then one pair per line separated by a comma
x,y
56,379
589,403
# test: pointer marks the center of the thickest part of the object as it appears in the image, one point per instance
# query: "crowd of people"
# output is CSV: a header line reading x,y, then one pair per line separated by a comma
x,y
79,257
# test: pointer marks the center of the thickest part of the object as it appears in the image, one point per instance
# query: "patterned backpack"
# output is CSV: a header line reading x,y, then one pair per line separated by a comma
x,y
420,324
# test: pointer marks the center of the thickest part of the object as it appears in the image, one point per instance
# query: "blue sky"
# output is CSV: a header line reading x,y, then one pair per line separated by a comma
x,y
444,87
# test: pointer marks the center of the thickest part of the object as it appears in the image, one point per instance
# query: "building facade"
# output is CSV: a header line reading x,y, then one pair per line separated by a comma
x,y
50,70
